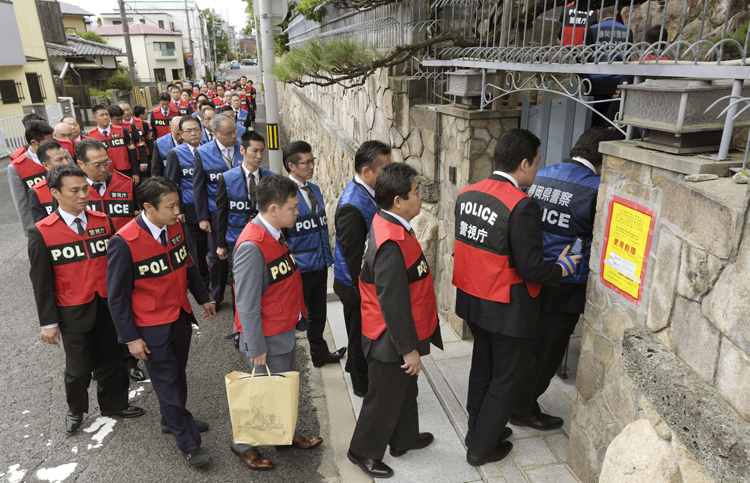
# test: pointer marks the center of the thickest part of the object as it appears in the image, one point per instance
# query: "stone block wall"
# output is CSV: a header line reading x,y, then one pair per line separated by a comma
x,y
696,287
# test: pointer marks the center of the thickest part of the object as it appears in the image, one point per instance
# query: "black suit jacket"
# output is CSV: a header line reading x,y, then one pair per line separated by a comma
x,y
76,319
521,317
120,285
392,287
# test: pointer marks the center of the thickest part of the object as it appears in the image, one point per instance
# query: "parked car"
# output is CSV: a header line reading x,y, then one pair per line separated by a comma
x,y
249,62
234,65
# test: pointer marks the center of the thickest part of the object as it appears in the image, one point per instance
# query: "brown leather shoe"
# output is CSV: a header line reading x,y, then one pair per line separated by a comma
x,y
306,442
254,460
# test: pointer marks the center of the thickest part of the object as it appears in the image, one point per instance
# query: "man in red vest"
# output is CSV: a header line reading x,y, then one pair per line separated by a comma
x,y
41,201
67,253
117,117
149,272
498,273
399,322
266,278
120,147
160,116
134,124
26,170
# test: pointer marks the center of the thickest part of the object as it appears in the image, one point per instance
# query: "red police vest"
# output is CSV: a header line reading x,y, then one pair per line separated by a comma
x,y
243,101
161,123
282,302
45,196
421,289
145,136
182,108
479,269
69,146
211,94
117,150
218,101
19,151
30,172
117,202
79,262
159,274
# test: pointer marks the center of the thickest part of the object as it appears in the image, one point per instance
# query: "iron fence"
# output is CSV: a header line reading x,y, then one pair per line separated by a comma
x,y
12,134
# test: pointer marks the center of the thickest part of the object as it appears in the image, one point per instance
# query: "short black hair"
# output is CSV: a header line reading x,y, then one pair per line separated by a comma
x,y
43,151
226,108
250,136
513,147
272,190
587,146
32,116
138,110
97,108
152,189
205,106
292,152
221,85
164,96
56,175
115,111
205,98
655,34
243,77
88,144
37,131
186,119
368,153
393,180
188,91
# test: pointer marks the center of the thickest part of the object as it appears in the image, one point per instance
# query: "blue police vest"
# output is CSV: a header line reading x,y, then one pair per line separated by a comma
x,y
308,238
186,159
566,193
240,210
213,166
356,196
603,33
165,145
242,115
240,130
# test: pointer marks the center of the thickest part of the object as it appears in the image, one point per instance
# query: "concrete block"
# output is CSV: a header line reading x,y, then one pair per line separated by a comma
x,y
590,376
698,273
551,474
733,377
559,445
638,455
533,452
694,339
415,142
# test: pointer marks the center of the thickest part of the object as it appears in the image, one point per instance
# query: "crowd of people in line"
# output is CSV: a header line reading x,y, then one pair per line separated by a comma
x,y
124,220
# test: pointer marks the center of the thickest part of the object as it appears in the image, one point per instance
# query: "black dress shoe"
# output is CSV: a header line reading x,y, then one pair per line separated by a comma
x,y
73,422
500,452
197,457
504,434
374,468
330,358
202,427
540,421
129,412
423,441
136,374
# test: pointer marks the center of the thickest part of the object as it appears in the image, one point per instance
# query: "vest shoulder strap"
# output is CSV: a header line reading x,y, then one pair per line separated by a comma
x,y
49,220
130,231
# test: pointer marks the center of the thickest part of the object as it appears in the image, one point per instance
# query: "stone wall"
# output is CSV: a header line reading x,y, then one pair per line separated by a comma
x,y
694,286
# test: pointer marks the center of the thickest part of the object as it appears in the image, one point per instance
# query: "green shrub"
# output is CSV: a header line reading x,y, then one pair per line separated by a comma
x,y
101,94
91,36
119,81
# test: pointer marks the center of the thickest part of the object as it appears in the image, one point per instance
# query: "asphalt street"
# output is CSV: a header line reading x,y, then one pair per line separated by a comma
x,y
32,437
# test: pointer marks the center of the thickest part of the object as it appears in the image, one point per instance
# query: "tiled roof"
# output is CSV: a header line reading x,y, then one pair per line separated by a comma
x,y
135,29
68,9
78,47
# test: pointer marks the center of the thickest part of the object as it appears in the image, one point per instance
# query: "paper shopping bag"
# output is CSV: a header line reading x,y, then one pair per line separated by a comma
x,y
263,407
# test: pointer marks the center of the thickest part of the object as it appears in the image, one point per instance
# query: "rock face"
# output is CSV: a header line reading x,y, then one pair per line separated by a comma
x,y
638,455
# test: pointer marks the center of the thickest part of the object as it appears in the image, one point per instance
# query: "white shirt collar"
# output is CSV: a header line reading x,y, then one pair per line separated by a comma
x,y
108,129
406,224
506,175
298,182
367,187
175,142
256,173
33,157
586,163
70,219
273,231
91,183
192,149
221,146
165,113
155,230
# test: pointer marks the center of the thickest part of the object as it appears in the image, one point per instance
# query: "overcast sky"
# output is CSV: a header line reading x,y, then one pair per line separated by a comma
x,y
234,10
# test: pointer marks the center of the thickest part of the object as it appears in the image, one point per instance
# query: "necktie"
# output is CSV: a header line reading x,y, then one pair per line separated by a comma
x,y
97,187
227,157
312,198
210,137
163,238
283,241
251,189
411,232
79,226
106,133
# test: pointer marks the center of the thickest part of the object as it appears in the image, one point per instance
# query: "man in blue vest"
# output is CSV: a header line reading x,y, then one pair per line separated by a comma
x,y
353,218
180,170
309,241
163,146
207,112
211,160
566,194
235,199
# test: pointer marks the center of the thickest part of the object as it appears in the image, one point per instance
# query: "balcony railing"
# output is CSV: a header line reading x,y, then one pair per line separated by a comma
x,y
166,54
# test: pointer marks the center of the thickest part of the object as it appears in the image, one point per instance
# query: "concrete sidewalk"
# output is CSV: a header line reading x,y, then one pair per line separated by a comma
x,y
537,457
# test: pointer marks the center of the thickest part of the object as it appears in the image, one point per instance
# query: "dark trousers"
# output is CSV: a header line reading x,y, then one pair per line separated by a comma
x,y
96,350
315,288
499,365
356,364
199,242
218,269
389,413
230,276
130,361
169,345
549,352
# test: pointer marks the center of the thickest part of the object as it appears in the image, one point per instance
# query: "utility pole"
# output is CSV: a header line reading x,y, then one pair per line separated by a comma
x,y
190,38
216,63
128,48
269,82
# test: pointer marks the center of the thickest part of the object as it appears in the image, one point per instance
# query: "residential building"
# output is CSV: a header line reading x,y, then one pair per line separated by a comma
x,y
157,52
247,48
75,19
25,77
172,15
94,62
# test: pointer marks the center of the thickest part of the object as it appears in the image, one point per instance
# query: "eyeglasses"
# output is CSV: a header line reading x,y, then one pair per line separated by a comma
x,y
192,131
101,165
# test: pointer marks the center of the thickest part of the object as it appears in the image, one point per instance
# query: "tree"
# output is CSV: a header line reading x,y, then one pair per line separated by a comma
x,y
279,41
91,36
217,34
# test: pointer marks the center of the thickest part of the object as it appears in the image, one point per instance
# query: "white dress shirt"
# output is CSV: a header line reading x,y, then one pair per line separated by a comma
x,y
33,157
102,189
506,175
406,224
365,185
108,129
155,230
586,163
301,185
255,174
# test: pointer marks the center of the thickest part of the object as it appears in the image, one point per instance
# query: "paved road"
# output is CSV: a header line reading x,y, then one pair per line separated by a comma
x,y
34,444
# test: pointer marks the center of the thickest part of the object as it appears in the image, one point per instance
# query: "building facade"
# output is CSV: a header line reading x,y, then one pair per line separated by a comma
x,y
75,19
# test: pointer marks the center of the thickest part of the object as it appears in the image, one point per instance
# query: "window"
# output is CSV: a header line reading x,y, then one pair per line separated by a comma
x,y
171,26
116,22
176,74
143,20
163,46
161,24
160,75
11,92
36,87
